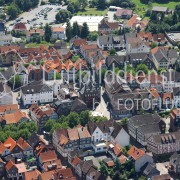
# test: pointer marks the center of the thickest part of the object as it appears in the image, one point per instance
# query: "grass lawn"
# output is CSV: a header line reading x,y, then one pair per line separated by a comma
x,y
141,8
32,45
92,12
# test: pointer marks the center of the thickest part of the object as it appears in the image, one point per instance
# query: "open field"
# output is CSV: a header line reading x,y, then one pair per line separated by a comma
x,y
92,11
32,45
141,8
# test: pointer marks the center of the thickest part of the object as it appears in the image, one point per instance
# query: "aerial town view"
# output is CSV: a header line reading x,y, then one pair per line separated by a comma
x,y
89,89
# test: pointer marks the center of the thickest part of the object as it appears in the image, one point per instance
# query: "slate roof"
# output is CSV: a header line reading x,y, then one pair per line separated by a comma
x,y
96,175
172,75
78,103
104,126
8,73
35,87
145,119
175,158
149,169
159,138
110,39
176,91
2,27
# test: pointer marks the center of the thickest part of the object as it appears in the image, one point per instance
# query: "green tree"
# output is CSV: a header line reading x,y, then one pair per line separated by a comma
x,y
104,169
142,67
93,36
71,8
24,133
58,76
48,33
84,30
15,81
75,29
68,31
101,4
49,125
124,121
13,11
63,16
85,117
83,4
112,52
73,119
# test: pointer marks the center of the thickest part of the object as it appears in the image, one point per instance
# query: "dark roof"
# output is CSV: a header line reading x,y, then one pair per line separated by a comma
x,y
8,73
130,58
151,128
110,39
176,91
2,27
34,139
35,87
1,87
96,175
175,158
104,126
86,165
149,169
145,119
160,138
78,103
172,75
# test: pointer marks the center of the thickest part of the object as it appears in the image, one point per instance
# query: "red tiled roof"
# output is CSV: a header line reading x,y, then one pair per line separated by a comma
x,y
122,159
117,150
10,143
75,161
20,26
49,155
58,29
32,175
12,107
135,153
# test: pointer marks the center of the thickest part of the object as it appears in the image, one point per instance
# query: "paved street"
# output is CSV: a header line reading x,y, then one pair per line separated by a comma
x,y
35,19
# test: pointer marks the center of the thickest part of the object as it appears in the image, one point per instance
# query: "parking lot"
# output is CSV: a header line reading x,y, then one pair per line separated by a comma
x,y
38,16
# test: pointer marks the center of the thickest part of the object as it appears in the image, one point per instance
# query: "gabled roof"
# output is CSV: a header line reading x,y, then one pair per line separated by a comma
x,y
135,153
49,155
75,161
8,108
14,117
19,26
21,168
32,175
35,87
127,12
10,143
23,144
176,91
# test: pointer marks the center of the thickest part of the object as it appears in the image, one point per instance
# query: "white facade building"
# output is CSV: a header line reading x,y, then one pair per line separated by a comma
x,y
36,93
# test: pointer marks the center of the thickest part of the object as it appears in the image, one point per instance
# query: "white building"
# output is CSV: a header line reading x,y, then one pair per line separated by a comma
x,y
104,132
58,33
5,39
35,93
92,21
6,96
